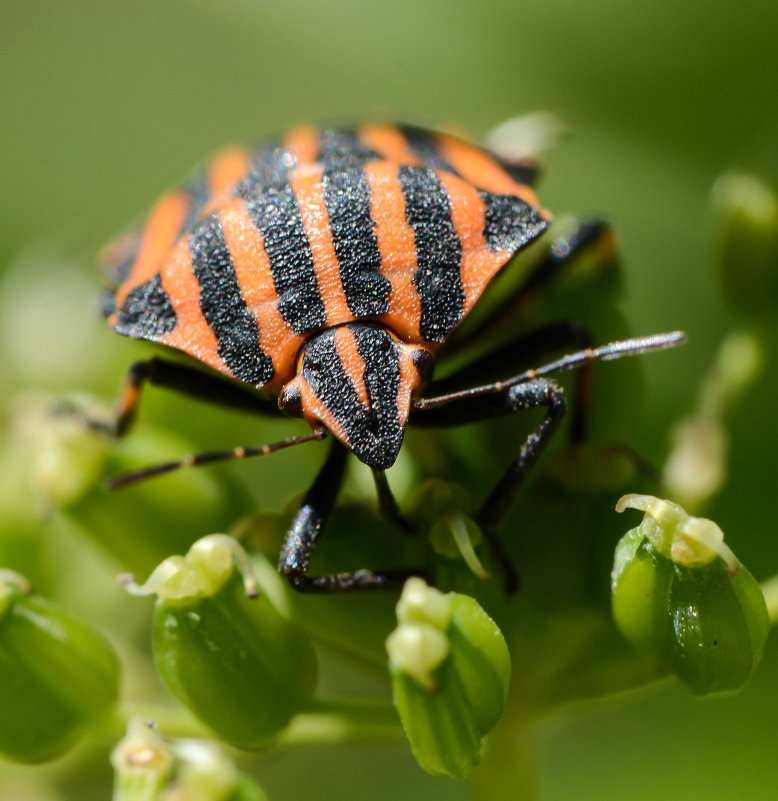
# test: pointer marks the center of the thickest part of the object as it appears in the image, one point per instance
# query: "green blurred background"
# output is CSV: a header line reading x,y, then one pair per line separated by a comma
x,y
105,104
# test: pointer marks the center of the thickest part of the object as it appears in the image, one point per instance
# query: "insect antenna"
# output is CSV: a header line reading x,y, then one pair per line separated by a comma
x,y
606,353
609,352
197,459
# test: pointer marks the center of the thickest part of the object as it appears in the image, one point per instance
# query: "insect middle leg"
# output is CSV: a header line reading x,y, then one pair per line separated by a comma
x,y
307,527
527,349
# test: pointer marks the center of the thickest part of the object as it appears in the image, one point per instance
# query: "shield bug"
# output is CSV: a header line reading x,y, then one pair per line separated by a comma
x,y
326,269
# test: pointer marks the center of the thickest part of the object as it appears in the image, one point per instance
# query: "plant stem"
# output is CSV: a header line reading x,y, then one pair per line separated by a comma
x,y
326,721
333,721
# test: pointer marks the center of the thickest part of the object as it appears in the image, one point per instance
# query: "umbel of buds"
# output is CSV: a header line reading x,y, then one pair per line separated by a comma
x,y
681,596
223,648
450,671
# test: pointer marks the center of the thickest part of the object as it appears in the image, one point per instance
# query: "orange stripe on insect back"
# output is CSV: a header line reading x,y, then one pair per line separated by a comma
x,y
389,142
226,170
353,364
397,246
309,194
483,170
303,142
192,333
159,235
255,280
468,215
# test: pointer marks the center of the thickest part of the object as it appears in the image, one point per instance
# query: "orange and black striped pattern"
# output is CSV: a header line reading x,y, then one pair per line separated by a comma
x,y
358,381
265,246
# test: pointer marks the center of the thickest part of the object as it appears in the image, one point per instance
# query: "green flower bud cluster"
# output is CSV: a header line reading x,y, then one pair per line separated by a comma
x,y
223,648
57,675
682,597
450,671
150,768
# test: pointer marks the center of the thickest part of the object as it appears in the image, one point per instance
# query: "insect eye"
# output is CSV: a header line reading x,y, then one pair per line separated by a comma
x,y
290,401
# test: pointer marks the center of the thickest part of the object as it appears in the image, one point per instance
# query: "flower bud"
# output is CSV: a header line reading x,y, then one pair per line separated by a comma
x,y
450,671
223,648
696,467
57,675
205,773
680,595
142,763
149,767
746,209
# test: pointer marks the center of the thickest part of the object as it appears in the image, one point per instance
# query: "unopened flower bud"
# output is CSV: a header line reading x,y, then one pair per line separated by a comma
x,y
57,675
223,648
746,209
681,596
450,671
142,763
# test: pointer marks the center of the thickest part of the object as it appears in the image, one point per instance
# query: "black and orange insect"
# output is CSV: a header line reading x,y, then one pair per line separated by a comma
x,y
328,268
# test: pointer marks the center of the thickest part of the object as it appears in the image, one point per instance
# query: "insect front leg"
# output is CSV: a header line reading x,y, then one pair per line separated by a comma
x,y
307,527
482,403
181,378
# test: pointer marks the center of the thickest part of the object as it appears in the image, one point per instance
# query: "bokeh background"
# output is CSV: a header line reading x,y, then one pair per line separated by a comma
x,y
105,104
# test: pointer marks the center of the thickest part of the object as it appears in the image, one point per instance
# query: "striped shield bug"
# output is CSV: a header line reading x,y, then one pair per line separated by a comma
x,y
327,269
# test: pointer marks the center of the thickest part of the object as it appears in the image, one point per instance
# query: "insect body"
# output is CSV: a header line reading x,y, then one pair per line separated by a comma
x,y
262,266
328,268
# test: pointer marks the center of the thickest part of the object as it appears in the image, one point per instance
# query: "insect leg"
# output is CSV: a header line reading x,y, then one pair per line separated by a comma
x,y
526,390
307,527
387,503
473,405
181,378
591,239
520,352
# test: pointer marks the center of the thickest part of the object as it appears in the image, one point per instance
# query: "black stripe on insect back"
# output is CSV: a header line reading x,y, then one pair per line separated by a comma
x,y
146,312
223,306
273,209
341,148
347,197
198,194
510,223
438,252
270,165
424,145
